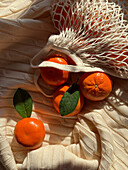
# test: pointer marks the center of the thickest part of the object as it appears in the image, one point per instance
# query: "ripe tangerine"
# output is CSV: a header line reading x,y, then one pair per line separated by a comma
x,y
30,132
95,86
54,76
58,96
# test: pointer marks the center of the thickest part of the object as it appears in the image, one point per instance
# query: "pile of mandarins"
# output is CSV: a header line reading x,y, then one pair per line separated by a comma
x,y
94,86
30,132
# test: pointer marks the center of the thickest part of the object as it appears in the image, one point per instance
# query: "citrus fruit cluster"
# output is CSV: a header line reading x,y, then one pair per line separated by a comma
x,y
68,99
94,86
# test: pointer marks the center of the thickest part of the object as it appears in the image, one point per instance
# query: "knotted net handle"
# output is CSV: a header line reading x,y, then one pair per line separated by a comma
x,y
38,61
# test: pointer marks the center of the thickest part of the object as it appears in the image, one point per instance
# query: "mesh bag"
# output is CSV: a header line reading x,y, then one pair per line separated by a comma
x,y
92,33
124,5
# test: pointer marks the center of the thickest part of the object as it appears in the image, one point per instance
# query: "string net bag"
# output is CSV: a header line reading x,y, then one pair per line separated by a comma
x,y
124,5
92,33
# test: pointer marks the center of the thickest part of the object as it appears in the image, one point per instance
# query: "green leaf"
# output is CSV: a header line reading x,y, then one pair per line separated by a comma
x,y
69,100
23,103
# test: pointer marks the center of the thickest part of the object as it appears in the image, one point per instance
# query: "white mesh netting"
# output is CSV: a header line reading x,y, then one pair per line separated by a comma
x,y
95,32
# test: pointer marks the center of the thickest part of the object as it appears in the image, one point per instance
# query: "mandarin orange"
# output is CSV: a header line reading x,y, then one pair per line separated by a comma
x,y
95,86
30,132
58,96
54,76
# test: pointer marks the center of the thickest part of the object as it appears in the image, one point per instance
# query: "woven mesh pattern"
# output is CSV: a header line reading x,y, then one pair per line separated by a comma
x,y
95,31
124,5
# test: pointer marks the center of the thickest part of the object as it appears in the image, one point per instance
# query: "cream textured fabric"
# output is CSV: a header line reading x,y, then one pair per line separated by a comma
x,y
97,138
13,8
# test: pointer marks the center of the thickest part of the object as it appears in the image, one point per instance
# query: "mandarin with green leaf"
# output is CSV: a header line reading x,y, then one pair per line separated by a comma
x,y
59,94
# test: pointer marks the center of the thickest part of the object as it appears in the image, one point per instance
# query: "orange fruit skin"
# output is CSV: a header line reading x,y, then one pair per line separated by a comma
x,y
117,59
95,86
64,22
58,96
53,76
30,132
98,21
57,15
